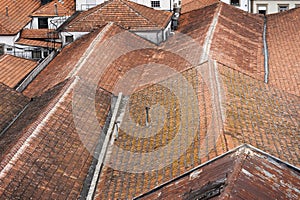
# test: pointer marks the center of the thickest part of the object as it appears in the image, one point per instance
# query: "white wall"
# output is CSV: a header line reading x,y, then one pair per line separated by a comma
x,y
272,6
86,4
76,35
155,36
55,20
164,4
244,4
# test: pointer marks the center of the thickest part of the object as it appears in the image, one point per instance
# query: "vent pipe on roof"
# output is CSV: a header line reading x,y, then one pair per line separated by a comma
x,y
6,8
147,116
55,9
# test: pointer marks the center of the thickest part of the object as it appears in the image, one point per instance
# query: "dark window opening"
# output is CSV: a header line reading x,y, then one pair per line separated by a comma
x,y
235,2
45,1
69,39
263,12
282,8
43,22
1,49
155,4
36,54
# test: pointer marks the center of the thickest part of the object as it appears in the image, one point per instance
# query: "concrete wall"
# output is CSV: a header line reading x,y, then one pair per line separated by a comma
x,y
272,6
155,36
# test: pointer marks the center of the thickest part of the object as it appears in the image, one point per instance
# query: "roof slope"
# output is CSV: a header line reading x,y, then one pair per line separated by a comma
x,y
244,173
39,34
11,105
53,9
38,43
283,45
18,15
49,160
237,41
14,69
189,5
128,15
253,113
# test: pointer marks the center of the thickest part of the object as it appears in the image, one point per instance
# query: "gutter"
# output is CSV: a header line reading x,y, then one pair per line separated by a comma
x,y
266,53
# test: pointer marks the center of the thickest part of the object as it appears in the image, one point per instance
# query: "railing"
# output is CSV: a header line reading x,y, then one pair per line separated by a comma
x,y
36,71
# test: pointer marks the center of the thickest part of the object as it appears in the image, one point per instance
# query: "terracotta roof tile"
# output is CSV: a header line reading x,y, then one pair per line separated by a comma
x,y
189,5
48,10
237,41
38,43
39,34
262,116
241,174
283,44
59,68
14,69
51,159
11,104
128,15
18,15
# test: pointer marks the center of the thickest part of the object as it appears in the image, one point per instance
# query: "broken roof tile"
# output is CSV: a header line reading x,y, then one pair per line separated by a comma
x,y
241,174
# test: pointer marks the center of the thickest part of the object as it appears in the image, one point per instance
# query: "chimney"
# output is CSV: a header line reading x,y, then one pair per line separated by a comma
x,y
55,9
6,8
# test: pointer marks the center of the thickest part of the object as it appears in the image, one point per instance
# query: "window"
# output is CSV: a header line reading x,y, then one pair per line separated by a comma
x,y
262,9
235,2
1,49
36,54
282,8
69,38
155,4
43,22
297,5
9,49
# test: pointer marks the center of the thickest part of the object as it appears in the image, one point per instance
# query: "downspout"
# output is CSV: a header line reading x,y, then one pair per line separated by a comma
x,y
266,54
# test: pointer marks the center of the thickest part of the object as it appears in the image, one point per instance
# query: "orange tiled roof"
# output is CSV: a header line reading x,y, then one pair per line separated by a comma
x,y
39,34
235,39
48,10
14,69
127,14
11,104
283,46
38,43
54,159
235,107
18,15
189,5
